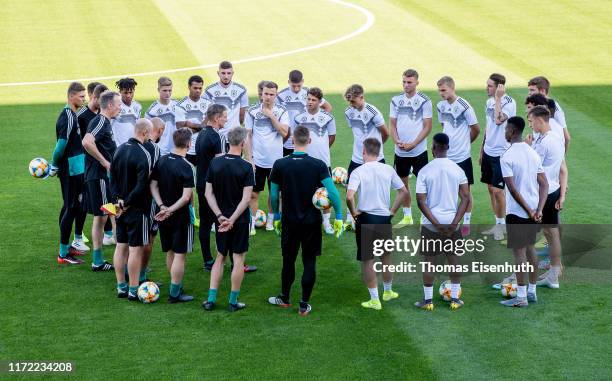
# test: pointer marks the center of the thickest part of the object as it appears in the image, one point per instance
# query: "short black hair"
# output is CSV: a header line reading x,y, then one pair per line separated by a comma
x,y
540,112
295,76
316,92
126,84
517,123
441,139
195,78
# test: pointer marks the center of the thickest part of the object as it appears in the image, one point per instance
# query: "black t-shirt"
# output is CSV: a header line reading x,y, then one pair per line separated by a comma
x,y
66,128
173,173
154,151
208,145
298,176
84,116
229,175
100,128
130,171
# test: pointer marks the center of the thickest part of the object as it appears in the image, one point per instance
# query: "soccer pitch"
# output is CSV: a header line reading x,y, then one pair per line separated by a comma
x,y
50,312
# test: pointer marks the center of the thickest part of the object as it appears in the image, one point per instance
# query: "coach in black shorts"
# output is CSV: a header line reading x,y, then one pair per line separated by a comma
x,y
297,177
100,147
130,189
229,185
171,183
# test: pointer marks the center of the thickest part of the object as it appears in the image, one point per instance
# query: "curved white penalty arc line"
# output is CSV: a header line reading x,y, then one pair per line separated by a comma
x,y
370,18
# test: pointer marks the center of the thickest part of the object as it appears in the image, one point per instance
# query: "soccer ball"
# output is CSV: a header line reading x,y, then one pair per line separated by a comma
x,y
508,290
148,292
445,290
260,218
39,168
339,175
320,199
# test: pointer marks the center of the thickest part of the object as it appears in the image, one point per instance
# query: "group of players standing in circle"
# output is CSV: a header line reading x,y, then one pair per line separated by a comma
x,y
214,141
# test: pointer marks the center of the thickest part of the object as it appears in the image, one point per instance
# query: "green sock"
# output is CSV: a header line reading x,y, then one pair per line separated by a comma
x,y
108,233
122,286
64,250
97,257
212,295
133,290
143,275
233,299
175,290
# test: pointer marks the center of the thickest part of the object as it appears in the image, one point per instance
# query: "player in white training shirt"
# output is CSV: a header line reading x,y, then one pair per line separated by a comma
x,y
165,109
552,152
410,116
459,122
123,124
267,124
322,127
365,121
190,112
541,85
294,98
374,180
526,193
439,184
498,108
230,94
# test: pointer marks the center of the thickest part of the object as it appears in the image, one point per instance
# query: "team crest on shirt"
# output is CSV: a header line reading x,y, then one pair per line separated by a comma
x,y
259,115
188,107
321,118
234,93
217,93
159,111
303,119
351,115
401,102
288,98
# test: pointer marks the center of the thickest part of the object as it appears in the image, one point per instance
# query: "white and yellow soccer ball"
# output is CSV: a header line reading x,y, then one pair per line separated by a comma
x,y
445,290
260,218
148,292
320,199
39,168
339,175
508,290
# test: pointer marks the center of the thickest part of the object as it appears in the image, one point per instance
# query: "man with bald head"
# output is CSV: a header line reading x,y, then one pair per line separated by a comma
x,y
130,170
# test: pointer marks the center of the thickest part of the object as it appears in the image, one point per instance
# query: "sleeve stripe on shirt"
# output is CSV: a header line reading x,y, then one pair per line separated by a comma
x,y
70,124
464,103
97,129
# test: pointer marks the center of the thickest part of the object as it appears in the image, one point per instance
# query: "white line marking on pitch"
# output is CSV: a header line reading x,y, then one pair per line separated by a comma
x,y
367,25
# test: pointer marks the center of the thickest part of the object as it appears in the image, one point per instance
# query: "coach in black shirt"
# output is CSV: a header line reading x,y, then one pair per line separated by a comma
x,y
229,185
130,171
297,177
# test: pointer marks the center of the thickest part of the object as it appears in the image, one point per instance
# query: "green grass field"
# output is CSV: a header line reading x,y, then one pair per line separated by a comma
x,y
50,312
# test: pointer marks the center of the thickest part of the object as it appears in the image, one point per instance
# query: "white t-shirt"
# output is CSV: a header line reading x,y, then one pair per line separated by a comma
x,y
555,128
167,114
321,126
560,115
522,163
495,135
373,182
552,152
365,124
456,119
123,124
294,103
267,141
410,114
440,180
195,112
233,97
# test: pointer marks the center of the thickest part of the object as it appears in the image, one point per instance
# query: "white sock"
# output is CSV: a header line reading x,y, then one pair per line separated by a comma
x,y
349,218
467,217
407,212
554,272
500,221
531,288
326,218
373,293
521,291
387,286
455,287
271,217
428,292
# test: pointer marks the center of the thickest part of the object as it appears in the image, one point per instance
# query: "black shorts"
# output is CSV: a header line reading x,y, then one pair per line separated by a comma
x,y
287,151
133,228
353,166
306,236
550,214
262,175
153,224
434,243
521,231
235,241
368,228
403,165
193,159
466,165
72,190
490,171
176,237
98,193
